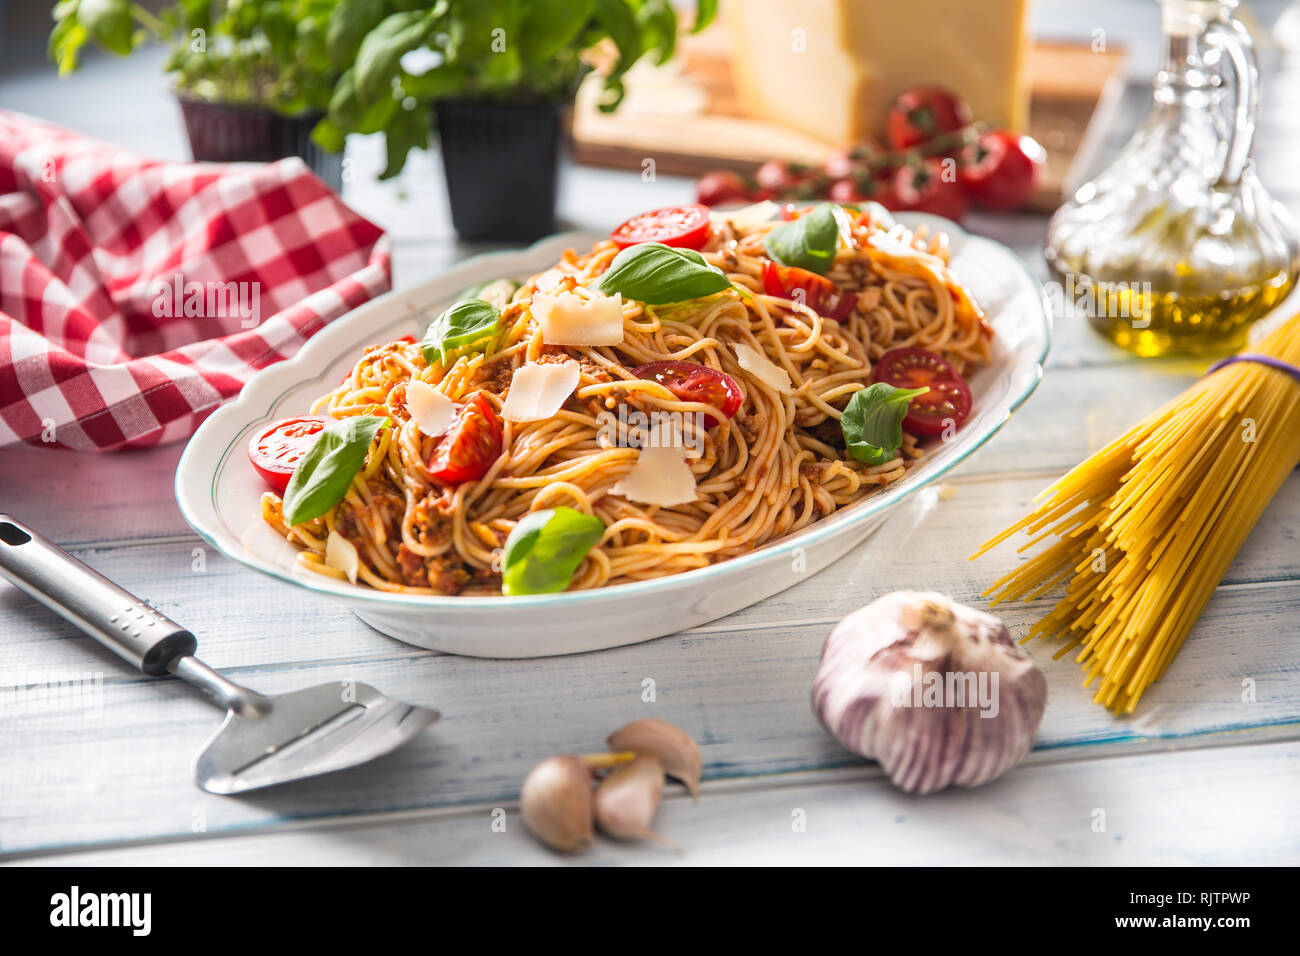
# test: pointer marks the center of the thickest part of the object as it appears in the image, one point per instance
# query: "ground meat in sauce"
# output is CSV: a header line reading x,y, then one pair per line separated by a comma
x,y
388,508
411,567
828,432
593,371
431,519
746,424
495,377
598,404
485,578
347,524
445,573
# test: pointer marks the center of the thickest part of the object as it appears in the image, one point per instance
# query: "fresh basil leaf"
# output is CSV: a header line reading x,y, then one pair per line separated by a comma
x,y
619,23
658,22
349,114
321,479
435,83
384,46
109,23
408,130
327,135
873,422
655,274
466,324
545,548
67,39
808,242
349,22
547,28
705,12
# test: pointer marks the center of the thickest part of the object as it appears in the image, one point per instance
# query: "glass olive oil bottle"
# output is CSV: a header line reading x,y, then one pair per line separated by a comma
x,y
1177,248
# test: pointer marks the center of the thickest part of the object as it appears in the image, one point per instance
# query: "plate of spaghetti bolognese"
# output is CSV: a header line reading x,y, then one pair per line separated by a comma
x,y
652,429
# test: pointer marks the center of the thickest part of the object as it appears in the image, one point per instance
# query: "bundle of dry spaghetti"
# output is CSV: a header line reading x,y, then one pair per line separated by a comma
x,y
1144,530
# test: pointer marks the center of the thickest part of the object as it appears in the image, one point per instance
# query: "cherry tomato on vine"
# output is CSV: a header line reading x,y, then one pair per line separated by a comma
x,y
920,115
931,186
721,187
857,190
1000,170
778,177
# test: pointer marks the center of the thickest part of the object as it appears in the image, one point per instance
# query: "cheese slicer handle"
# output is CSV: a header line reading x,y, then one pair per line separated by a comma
x,y
111,615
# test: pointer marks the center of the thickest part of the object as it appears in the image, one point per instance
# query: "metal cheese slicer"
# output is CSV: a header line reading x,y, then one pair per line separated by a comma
x,y
264,740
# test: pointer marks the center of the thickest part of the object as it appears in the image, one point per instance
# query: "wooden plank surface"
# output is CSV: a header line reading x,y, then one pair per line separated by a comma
x,y
1148,809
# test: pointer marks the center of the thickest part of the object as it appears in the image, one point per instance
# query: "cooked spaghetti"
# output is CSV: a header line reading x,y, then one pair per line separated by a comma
x,y
775,466
1142,532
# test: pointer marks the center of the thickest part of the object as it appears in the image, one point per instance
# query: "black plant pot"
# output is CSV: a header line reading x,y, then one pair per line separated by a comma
x,y
233,133
501,162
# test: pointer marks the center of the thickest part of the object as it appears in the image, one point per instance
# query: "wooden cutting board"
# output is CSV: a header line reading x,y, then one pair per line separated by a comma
x,y
687,119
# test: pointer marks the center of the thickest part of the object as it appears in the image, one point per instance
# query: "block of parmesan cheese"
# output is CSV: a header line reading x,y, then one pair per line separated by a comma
x,y
830,68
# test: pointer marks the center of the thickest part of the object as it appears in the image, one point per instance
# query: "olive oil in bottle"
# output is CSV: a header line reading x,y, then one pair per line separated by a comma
x,y
1176,248
1150,321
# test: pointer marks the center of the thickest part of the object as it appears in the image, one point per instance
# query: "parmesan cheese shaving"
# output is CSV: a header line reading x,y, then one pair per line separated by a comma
x,y
897,242
762,368
429,408
548,280
661,475
569,319
341,554
746,217
538,390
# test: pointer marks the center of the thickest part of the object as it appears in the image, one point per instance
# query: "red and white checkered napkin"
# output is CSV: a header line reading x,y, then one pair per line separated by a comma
x,y
137,295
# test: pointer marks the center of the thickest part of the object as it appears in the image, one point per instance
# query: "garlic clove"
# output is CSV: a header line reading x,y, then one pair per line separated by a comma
x,y
628,797
938,693
675,748
556,803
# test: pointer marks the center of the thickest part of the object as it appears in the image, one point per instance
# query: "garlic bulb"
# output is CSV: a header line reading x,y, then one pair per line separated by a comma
x,y
938,693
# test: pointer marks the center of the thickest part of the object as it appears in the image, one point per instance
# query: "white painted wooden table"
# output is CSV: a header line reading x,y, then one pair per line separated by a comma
x,y
1197,776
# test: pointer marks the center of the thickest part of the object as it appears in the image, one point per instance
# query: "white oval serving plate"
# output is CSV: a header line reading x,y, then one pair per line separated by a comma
x,y
219,492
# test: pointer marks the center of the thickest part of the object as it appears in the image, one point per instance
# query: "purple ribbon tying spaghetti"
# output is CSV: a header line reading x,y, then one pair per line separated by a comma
x,y
1270,361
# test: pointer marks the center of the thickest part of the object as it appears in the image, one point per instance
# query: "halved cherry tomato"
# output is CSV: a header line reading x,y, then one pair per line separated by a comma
x,y
931,186
469,447
920,115
947,399
682,226
1000,169
819,293
276,451
693,382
